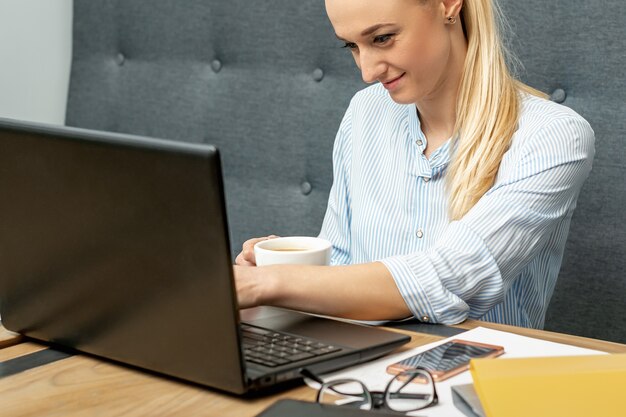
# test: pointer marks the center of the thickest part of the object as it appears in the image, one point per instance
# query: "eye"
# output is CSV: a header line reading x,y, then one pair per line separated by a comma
x,y
382,39
349,45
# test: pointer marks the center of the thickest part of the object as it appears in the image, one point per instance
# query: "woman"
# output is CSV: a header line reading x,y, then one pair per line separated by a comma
x,y
454,184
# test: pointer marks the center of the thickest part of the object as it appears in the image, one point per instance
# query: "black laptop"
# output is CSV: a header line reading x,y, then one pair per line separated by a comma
x,y
118,246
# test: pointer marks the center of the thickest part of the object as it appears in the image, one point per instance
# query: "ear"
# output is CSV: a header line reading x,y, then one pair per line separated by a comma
x,y
452,7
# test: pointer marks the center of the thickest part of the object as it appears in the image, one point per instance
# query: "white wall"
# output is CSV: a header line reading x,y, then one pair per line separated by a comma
x,y
35,54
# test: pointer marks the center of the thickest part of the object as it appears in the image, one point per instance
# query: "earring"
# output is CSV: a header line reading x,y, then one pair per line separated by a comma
x,y
451,20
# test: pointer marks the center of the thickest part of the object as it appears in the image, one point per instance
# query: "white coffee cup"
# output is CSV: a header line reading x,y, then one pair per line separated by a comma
x,y
294,250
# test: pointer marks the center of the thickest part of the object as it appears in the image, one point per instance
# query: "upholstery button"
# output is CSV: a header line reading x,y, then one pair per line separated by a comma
x,y
425,318
419,233
306,188
318,74
558,96
216,65
419,142
120,59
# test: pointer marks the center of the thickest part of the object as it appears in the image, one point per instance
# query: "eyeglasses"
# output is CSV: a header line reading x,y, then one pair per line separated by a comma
x,y
408,391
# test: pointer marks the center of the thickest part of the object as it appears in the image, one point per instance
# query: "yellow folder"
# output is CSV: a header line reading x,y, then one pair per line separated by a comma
x,y
569,386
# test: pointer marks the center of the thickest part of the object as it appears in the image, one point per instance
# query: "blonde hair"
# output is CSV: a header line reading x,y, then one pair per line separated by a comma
x,y
488,108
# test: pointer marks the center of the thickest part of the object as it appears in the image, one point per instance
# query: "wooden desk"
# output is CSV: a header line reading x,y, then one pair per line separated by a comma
x,y
8,338
84,386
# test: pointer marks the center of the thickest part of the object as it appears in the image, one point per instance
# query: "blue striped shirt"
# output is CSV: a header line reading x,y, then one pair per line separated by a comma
x,y
499,262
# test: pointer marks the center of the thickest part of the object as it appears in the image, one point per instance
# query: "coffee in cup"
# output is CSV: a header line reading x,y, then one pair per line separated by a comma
x,y
294,250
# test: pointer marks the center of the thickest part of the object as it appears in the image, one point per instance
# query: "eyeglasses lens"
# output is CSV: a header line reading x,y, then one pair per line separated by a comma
x,y
349,393
410,391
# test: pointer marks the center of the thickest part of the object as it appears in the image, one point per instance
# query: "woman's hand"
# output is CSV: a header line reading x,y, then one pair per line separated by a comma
x,y
246,257
248,286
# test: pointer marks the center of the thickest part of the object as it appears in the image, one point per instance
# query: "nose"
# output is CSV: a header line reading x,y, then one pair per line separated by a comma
x,y
371,67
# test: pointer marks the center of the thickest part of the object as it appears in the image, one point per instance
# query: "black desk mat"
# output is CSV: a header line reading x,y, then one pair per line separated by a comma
x,y
30,361
419,327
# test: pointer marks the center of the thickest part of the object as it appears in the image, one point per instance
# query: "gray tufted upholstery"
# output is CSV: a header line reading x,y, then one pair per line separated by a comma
x,y
575,50
266,82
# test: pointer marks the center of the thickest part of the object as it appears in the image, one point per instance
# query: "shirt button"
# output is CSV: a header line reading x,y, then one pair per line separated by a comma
x,y
426,179
419,142
419,233
425,318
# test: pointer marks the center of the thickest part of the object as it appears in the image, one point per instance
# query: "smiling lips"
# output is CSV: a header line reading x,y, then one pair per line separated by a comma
x,y
391,84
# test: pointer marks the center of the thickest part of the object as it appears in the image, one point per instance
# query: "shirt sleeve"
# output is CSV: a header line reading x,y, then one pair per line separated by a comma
x,y
336,225
478,257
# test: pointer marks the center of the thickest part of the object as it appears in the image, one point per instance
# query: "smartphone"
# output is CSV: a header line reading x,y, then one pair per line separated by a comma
x,y
447,360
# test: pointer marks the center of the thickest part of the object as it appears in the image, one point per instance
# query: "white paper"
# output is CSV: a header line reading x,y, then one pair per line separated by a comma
x,y
375,378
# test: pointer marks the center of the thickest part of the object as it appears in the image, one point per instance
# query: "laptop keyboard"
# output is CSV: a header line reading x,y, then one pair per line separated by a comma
x,y
271,348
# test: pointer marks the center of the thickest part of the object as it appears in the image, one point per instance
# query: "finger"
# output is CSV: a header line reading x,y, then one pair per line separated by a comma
x,y
241,260
247,252
247,255
254,241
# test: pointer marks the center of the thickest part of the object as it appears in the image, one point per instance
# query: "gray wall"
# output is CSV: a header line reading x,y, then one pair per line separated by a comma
x,y
35,51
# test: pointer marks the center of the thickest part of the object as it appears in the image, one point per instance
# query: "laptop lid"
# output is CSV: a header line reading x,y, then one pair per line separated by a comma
x,y
117,245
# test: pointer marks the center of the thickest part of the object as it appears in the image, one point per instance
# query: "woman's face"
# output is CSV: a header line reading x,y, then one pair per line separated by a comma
x,y
404,44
